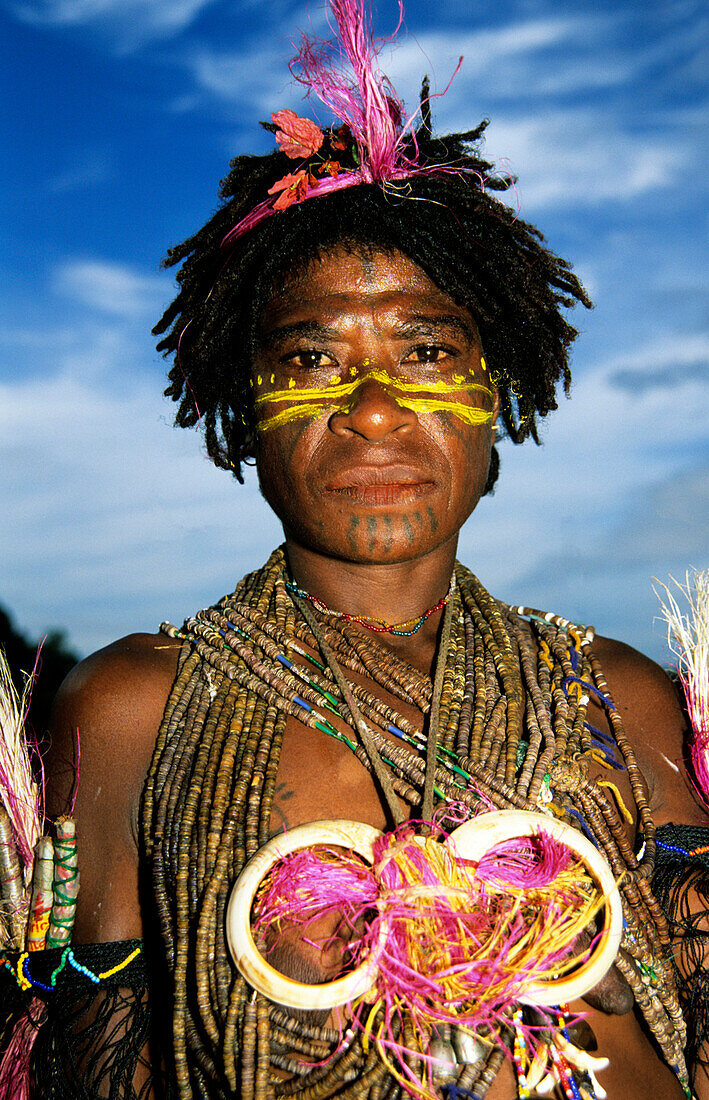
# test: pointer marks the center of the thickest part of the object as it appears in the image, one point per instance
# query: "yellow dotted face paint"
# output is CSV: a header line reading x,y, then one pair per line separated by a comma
x,y
306,402
469,414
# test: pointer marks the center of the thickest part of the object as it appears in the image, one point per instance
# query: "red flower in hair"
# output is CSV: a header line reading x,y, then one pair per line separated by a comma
x,y
341,138
296,136
293,188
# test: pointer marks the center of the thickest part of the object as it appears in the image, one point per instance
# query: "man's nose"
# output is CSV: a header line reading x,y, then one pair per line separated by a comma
x,y
374,413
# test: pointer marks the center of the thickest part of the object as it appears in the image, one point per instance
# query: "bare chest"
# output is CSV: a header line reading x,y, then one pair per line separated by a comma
x,y
320,778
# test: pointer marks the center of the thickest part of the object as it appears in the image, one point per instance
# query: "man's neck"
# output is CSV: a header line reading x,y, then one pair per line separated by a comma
x,y
396,593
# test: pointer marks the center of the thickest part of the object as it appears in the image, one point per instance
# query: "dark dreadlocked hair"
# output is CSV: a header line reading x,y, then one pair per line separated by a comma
x,y
470,244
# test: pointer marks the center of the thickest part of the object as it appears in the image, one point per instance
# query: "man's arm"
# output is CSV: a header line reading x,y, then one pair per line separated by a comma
x,y
105,722
657,728
106,717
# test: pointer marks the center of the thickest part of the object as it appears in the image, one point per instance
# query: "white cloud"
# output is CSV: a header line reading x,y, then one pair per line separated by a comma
x,y
104,350
112,288
665,352
255,72
511,60
129,22
561,156
256,77
486,48
169,14
118,520
86,171
605,453
663,363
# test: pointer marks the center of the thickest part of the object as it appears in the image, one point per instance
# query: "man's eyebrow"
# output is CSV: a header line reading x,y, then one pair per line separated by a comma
x,y
424,324
272,337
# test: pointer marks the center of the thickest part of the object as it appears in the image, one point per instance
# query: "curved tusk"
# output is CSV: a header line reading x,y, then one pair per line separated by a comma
x,y
580,1058
353,835
474,838
471,841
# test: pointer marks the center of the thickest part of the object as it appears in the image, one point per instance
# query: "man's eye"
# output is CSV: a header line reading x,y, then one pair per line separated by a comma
x,y
427,353
310,360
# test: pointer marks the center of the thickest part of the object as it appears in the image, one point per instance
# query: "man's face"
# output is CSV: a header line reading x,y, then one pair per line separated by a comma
x,y
374,407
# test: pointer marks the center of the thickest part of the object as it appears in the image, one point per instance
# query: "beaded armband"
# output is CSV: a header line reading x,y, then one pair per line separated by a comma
x,y
76,1022
681,871
44,972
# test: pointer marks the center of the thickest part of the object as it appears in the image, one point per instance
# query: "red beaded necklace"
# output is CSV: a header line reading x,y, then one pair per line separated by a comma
x,y
379,626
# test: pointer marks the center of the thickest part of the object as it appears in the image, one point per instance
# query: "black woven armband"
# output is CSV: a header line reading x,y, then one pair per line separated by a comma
x,y
681,885
78,1021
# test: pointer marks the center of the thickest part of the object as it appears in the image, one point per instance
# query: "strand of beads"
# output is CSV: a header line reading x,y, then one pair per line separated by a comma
x,y
315,717
513,711
405,629
20,969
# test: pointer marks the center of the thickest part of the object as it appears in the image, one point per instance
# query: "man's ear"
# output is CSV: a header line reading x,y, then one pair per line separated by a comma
x,y
495,405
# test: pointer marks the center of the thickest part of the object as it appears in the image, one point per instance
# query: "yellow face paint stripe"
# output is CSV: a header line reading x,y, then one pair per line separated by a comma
x,y
295,412
344,389
322,393
467,413
428,387
313,402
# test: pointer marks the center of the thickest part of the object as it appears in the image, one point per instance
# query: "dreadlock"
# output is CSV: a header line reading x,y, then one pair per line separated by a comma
x,y
469,243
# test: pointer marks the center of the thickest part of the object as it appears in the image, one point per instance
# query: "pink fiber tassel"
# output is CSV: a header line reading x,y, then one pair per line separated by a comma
x,y
369,106
345,75
15,1062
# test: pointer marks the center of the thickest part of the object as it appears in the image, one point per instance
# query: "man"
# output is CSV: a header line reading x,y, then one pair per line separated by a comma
x,y
362,333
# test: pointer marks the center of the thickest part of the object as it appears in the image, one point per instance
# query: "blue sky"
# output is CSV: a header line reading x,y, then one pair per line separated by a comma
x,y
121,118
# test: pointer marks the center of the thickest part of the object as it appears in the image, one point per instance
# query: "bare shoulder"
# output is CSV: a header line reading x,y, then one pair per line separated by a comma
x,y
140,658
106,718
108,710
649,704
641,689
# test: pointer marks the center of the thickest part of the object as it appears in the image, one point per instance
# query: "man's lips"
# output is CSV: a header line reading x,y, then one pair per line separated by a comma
x,y
381,485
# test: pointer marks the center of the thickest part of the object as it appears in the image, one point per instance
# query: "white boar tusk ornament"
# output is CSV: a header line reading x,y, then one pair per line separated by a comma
x,y
354,835
468,842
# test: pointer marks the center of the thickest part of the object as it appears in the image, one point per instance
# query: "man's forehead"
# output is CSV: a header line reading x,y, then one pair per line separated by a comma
x,y
334,323
369,268
347,284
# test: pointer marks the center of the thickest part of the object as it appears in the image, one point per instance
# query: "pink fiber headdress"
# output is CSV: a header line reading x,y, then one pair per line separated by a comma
x,y
373,120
